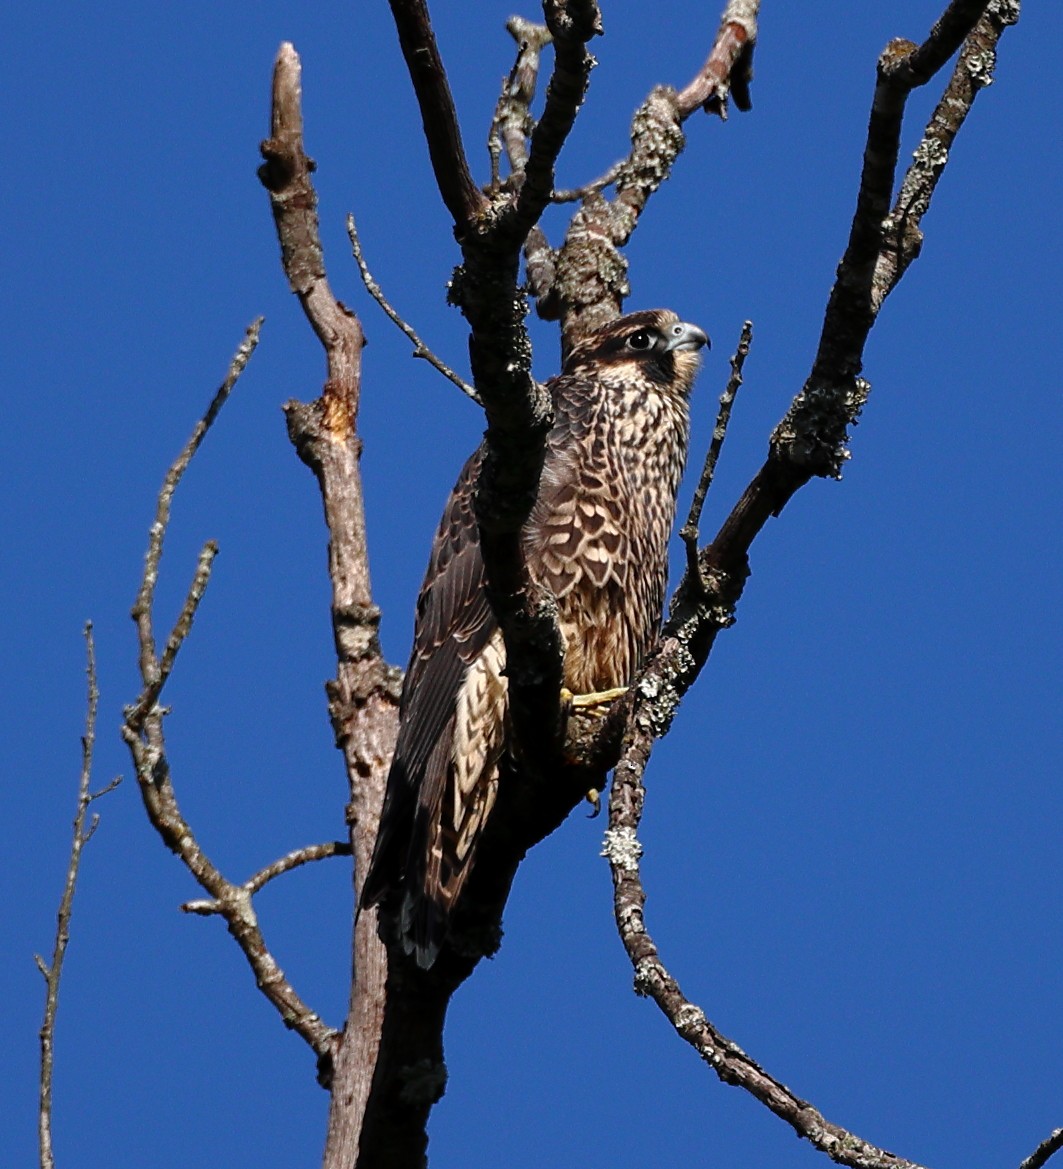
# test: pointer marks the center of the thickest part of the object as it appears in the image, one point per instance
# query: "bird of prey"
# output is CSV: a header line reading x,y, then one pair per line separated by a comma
x,y
597,539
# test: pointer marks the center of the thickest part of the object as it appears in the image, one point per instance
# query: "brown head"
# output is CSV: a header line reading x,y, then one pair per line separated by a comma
x,y
653,344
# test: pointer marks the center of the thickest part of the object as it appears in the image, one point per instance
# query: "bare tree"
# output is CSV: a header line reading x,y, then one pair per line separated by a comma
x,y
384,1067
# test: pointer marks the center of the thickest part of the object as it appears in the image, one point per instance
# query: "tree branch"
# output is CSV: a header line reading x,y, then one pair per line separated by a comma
x,y
142,731
729,67
285,864
1047,1148
690,532
364,697
53,971
442,133
854,303
572,23
513,122
292,860
730,1063
150,667
902,237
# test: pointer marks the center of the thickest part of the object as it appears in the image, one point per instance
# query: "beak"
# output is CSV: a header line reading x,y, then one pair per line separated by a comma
x,y
685,337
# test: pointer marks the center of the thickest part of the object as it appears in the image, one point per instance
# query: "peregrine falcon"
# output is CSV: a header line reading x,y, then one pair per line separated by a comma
x,y
597,539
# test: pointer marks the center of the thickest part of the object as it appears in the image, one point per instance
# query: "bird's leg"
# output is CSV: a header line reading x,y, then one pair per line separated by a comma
x,y
592,703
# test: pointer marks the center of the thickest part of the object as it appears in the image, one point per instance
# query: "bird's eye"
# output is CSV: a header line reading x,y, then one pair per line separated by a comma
x,y
640,341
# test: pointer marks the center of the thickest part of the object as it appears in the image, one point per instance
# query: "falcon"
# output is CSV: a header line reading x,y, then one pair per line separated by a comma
x,y
597,539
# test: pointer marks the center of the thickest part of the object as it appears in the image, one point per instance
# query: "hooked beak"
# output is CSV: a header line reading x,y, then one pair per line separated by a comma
x,y
685,337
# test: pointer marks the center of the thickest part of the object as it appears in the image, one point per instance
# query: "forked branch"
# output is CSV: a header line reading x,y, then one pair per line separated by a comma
x,y
142,731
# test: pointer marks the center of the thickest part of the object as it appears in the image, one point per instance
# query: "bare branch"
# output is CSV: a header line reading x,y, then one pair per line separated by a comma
x,y
853,305
578,194
142,730
729,67
53,971
144,735
420,349
730,1063
142,607
513,123
572,23
291,860
364,697
462,197
902,236
153,671
690,531
810,440
300,856
948,33
1047,1148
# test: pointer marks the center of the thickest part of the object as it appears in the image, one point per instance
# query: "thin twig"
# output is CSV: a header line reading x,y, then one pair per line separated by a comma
x,y
285,864
142,607
1050,1145
690,532
153,671
578,194
53,971
420,349
299,856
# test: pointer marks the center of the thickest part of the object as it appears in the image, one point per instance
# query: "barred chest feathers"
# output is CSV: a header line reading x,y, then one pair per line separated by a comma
x,y
599,539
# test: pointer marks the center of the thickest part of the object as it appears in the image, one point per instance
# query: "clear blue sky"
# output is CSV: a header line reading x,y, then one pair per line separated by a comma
x,y
853,832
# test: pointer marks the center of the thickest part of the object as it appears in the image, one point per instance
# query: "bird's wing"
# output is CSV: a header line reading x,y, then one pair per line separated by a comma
x,y
454,623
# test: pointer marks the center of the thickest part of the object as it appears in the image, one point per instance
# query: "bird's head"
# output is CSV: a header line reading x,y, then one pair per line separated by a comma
x,y
653,344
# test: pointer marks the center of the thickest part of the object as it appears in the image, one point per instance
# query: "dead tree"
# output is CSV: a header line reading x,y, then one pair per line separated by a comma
x,y
384,1067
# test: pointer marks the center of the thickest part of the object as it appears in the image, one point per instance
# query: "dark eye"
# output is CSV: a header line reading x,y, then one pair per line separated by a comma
x,y
640,341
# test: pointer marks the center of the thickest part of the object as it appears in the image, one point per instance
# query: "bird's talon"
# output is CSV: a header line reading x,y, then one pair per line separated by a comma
x,y
594,798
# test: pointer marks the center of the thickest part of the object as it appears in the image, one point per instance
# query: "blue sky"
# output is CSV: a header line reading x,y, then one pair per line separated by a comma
x,y
852,833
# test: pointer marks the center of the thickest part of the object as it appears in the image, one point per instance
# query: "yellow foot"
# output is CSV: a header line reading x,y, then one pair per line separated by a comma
x,y
594,798
590,701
